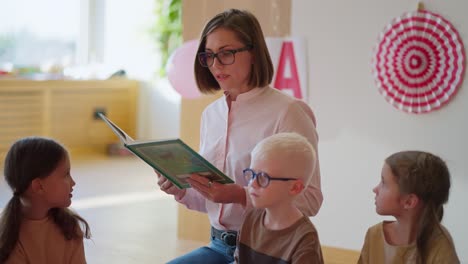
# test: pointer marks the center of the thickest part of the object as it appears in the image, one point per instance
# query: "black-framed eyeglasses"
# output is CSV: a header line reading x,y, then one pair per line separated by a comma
x,y
225,57
263,179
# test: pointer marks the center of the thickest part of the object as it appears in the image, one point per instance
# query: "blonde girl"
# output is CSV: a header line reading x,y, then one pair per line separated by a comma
x,y
414,187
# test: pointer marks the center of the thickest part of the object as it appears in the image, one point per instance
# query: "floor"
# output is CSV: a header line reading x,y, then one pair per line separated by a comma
x,y
131,220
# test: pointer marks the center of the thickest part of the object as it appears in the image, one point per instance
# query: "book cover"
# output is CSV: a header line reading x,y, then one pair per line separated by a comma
x,y
172,158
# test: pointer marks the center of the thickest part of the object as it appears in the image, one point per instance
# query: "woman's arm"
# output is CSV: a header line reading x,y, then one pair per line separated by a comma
x,y
188,197
299,118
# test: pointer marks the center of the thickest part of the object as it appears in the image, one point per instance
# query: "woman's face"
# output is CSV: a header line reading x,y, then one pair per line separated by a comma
x,y
232,78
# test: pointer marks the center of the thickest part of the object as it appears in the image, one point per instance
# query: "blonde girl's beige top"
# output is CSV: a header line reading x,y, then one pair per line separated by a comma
x,y
42,242
377,250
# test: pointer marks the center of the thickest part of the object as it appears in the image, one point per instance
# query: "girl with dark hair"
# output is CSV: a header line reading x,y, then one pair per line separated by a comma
x,y
36,225
414,187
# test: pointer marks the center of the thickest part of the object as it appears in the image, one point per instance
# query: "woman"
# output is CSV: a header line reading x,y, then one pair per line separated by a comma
x,y
233,56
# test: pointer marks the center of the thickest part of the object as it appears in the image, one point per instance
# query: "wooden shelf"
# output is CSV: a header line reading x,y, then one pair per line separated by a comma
x,y
64,110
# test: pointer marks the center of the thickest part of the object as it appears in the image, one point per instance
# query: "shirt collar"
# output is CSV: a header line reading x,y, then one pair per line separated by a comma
x,y
243,97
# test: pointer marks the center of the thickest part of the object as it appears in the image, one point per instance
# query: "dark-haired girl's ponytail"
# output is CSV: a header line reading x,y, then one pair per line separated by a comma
x,y
10,223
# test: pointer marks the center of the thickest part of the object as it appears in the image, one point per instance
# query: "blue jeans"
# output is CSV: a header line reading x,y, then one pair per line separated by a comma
x,y
217,252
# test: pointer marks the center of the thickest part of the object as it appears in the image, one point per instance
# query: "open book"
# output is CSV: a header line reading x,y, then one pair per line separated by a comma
x,y
172,158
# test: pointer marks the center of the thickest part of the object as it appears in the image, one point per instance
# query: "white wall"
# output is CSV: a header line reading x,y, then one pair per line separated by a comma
x,y
358,128
158,110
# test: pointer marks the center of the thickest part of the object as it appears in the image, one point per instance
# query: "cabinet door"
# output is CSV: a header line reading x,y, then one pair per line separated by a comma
x,y
21,115
73,118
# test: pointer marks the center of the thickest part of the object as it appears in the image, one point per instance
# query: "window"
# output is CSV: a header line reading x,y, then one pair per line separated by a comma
x,y
86,36
33,33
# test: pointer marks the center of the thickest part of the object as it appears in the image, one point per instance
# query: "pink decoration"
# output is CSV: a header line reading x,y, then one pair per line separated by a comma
x,y
419,62
180,70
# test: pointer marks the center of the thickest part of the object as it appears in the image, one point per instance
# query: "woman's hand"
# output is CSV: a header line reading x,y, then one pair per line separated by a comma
x,y
216,192
168,187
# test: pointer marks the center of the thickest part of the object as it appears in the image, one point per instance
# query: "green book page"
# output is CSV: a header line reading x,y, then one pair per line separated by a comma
x,y
177,162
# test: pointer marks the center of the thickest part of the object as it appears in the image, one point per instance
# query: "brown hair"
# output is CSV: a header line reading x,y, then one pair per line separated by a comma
x,y
30,158
248,30
428,177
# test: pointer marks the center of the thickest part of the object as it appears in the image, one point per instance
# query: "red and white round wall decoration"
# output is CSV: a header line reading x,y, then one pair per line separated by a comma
x,y
419,62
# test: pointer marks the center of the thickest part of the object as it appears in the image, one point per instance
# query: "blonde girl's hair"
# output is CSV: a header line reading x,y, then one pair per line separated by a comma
x,y
428,177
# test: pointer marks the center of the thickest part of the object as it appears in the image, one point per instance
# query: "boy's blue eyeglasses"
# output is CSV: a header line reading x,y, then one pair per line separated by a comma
x,y
263,179
225,57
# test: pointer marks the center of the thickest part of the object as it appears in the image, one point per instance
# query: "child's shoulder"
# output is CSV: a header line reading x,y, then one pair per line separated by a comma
x,y
379,225
441,243
442,246
377,230
306,225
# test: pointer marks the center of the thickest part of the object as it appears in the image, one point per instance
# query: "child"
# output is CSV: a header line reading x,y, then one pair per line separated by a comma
x,y
414,187
36,226
275,231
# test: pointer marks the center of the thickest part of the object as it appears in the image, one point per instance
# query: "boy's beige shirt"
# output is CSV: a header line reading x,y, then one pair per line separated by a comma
x,y
42,242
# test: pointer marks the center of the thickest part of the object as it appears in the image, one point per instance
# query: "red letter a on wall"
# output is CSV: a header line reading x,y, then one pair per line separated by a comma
x,y
288,79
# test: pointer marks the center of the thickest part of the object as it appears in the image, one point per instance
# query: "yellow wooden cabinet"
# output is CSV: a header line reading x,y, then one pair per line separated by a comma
x,y
65,110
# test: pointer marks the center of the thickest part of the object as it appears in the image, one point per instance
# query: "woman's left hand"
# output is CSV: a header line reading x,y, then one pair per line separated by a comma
x,y
216,192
